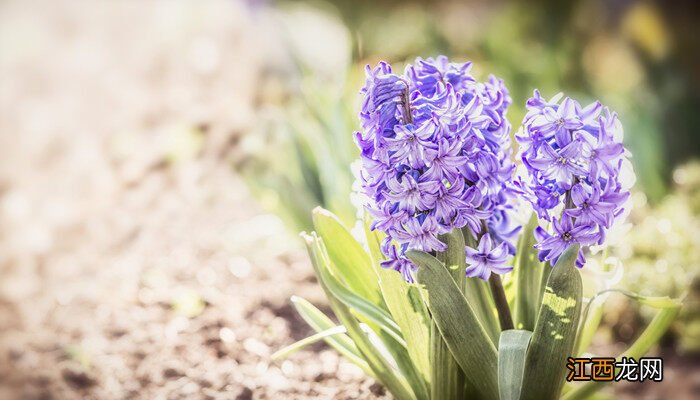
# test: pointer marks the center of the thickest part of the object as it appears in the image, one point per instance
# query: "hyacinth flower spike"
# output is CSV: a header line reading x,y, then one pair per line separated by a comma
x,y
435,157
573,157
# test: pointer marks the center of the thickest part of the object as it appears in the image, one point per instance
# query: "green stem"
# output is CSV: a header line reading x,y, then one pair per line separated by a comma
x,y
499,296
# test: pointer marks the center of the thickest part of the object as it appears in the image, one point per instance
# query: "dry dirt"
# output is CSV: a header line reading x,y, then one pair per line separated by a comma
x,y
133,262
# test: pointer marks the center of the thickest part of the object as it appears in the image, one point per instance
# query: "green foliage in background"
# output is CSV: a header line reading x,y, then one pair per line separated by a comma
x,y
300,155
660,254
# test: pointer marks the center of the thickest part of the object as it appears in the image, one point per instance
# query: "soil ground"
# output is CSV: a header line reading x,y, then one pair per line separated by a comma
x,y
134,263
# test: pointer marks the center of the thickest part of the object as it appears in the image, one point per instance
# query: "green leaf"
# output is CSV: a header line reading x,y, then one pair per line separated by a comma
x,y
362,306
447,376
512,350
408,310
555,331
374,242
319,322
298,345
669,309
348,259
383,370
528,272
406,366
453,257
458,325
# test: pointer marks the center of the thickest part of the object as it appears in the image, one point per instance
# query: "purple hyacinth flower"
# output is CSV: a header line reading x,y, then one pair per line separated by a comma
x,y
565,234
449,200
560,122
445,160
600,148
559,165
396,261
487,258
472,212
590,208
421,235
573,157
410,145
410,194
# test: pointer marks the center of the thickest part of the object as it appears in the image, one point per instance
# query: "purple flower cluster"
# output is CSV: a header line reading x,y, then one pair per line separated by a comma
x,y
435,152
573,156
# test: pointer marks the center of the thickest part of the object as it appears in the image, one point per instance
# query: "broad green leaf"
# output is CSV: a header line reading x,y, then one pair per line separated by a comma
x,y
528,272
512,349
389,376
447,376
408,310
553,338
458,325
348,259
298,345
319,322
669,309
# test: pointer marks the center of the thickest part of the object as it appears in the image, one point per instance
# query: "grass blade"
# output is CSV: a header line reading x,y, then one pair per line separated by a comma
x,y
590,321
555,330
319,322
298,345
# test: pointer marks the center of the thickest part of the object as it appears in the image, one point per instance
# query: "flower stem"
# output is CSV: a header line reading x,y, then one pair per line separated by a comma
x,y
499,297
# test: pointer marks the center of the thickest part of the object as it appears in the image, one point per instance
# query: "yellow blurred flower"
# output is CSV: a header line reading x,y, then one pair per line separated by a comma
x,y
645,28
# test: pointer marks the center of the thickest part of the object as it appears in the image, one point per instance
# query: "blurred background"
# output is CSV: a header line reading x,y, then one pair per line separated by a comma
x,y
159,158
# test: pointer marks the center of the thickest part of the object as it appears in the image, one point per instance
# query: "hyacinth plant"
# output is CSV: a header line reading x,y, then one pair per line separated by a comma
x,y
420,298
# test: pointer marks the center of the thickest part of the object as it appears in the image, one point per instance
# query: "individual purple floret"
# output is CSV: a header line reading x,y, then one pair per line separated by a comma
x,y
435,154
573,156
487,258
